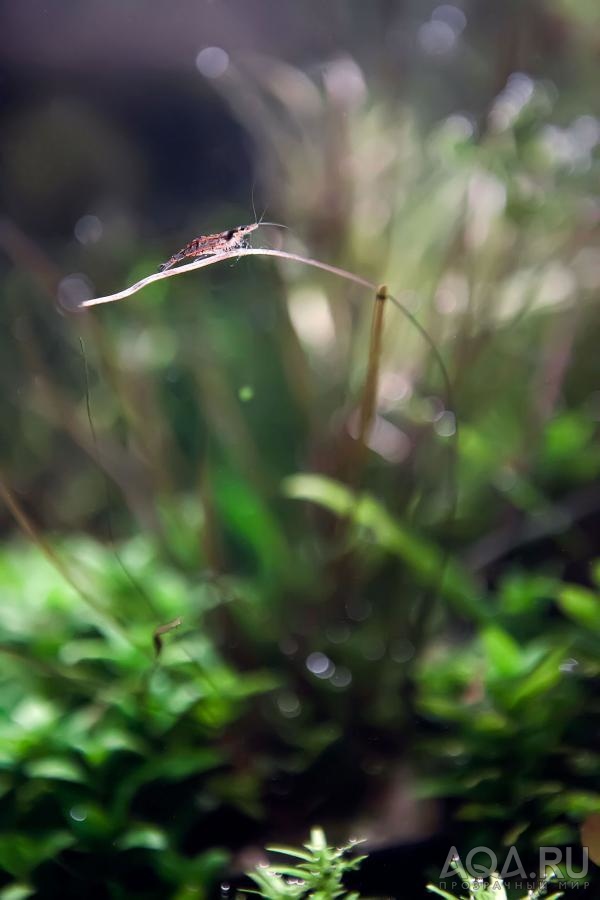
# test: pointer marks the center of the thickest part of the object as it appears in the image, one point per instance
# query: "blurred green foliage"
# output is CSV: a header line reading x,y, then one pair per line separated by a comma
x,y
519,711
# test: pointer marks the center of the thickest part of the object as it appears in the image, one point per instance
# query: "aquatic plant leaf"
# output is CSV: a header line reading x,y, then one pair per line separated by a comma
x,y
502,651
429,564
581,605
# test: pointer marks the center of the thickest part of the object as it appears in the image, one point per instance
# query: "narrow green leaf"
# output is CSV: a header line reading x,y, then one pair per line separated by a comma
x,y
55,768
429,564
436,890
542,678
291,851
16,891
581,605
290,871
145,836
502,652
318,840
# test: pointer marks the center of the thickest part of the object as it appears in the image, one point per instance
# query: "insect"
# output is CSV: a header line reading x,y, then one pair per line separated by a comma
x,y
211,244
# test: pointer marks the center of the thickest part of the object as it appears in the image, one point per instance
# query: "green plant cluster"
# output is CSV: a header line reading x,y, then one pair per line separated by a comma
x,y
513,713
492,888
318,871
100,740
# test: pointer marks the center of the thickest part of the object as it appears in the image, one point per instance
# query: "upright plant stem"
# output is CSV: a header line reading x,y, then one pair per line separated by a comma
x,y
368,405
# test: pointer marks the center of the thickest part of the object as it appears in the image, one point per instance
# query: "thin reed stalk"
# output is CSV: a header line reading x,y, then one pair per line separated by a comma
x,y
292,257
368,406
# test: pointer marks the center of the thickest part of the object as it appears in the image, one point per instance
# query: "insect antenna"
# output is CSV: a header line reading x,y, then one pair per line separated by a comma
x,y
261,221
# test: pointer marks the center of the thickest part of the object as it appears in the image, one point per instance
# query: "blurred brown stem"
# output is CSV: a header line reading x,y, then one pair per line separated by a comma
x,y
31,531
369,398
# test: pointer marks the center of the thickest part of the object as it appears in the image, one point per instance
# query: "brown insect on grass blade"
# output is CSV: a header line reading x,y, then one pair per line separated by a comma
x,y
452,452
